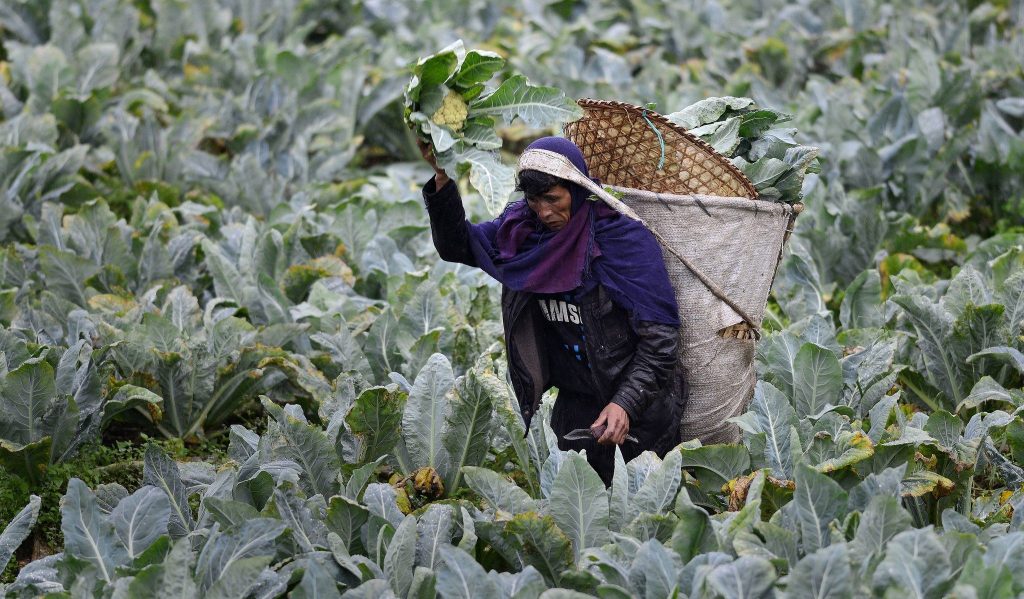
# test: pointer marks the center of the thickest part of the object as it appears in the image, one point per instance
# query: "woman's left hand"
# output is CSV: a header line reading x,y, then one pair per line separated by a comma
x,y
616,423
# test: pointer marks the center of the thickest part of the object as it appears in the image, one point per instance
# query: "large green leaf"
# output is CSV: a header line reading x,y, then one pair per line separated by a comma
x,y
461,577
933,327
715,465
817,379
478,67
308,446
162,472
537,106
376,417
657,567
317,583
915,563
818,501
226,556
18,529
141,518
579,503
862,304
883,519
498,491
306,527
88,535
774,416
748,577
824,574
545,546
426,411
400,559
659,489
28,395
467,434
434,529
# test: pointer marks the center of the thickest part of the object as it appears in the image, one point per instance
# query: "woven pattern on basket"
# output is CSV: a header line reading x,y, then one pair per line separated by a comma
x,y
622,148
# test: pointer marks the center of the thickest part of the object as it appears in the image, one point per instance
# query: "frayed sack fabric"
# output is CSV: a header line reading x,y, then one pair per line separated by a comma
x,y
721,254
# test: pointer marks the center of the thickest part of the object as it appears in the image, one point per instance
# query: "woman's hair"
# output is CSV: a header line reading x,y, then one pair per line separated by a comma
x,y
534,183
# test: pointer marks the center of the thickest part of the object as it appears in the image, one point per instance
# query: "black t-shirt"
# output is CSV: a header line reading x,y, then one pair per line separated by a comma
x,y
566,343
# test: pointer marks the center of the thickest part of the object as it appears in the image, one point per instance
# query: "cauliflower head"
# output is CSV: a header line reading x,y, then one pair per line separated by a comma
x,y
453,111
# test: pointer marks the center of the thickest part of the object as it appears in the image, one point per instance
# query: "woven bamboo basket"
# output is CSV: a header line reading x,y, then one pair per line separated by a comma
x,y
722,247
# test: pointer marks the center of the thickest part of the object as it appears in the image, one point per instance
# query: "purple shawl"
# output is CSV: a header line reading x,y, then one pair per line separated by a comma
x,y
598,245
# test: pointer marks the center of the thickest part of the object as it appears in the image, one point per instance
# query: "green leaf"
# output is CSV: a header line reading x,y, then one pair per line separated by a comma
x,y
660,487
434,529
316,583
400,559
308,446
162,472
774,416
726,138
438,68
478,67
987,389
824,574
141,518
227,512
817,379
18,529
715,465
934,326
883,519
88,535
461,577
777,352
818,501
467,435
1009,355
545,546
862,304
381,501
131,397
848,448
499,492
694,533
537,106
579,503
707,111
376,418
306,528
238,577
494,180
28,395
423,421
915,563
757,122
944,428
658,567
984,582
762,173
749,577
229,562
346,517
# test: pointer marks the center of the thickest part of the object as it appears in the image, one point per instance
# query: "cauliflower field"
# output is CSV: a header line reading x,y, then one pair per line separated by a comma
x,y
231,364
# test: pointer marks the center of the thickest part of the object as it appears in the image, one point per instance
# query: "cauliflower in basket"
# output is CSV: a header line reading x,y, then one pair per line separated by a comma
x,y
453,111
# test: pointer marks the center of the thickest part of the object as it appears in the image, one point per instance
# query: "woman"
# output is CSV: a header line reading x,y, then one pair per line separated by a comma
x,y
587,308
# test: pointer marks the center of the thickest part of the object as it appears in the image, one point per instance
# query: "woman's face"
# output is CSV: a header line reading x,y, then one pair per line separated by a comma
x,y
553,207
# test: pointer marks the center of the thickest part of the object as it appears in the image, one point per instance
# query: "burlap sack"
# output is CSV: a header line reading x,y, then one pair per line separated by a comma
x,y
720,252
735,242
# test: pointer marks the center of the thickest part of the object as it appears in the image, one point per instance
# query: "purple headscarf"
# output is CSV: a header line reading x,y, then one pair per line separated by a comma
x,y
598,245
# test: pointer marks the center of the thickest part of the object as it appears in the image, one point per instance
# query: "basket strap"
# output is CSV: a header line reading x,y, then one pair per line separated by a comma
x,y
555,164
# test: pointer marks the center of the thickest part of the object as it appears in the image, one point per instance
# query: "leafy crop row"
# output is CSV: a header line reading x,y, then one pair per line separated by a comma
x,y
208,209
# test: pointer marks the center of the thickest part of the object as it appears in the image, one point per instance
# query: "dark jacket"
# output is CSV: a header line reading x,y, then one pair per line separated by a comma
x,y
634,365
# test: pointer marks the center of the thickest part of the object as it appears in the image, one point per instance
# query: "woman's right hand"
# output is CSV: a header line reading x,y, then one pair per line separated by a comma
x,y
427,151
